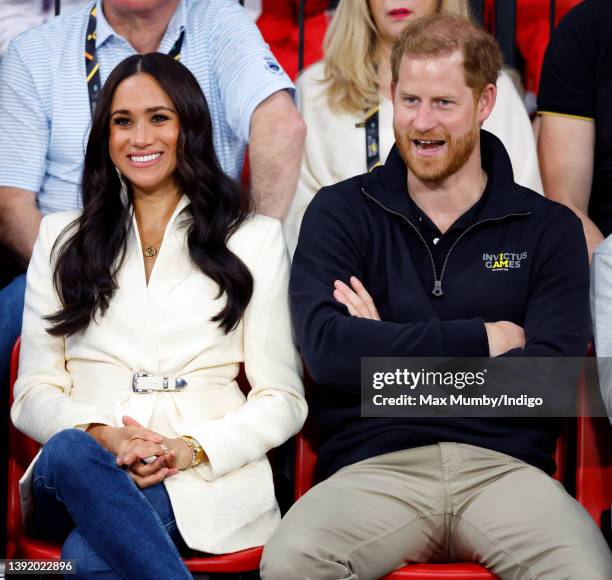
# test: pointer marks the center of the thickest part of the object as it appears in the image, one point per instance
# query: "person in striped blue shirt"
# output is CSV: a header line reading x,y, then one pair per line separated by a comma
x,y
17,16
49,78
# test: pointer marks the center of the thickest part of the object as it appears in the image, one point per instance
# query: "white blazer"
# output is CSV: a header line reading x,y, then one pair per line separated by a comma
x,y
164,328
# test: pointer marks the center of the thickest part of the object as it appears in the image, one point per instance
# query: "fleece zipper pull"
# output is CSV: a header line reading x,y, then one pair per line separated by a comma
x,y
437,289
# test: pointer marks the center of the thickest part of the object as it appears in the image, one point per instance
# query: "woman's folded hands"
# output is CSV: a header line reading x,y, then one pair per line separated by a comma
x,y
148,457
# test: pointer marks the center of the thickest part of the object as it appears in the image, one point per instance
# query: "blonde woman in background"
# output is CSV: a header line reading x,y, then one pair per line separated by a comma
x,y
345,99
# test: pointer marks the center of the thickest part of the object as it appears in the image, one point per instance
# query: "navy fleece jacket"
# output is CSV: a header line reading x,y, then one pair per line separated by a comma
x,y
362,227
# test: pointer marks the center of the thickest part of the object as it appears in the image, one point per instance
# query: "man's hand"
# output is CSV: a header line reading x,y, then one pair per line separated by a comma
x,y
356,298
504,336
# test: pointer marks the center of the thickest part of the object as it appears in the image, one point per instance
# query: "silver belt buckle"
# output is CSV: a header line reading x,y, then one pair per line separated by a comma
x,y
148,383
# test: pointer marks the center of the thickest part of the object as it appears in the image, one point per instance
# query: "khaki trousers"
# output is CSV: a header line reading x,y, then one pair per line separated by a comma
x,y
439,503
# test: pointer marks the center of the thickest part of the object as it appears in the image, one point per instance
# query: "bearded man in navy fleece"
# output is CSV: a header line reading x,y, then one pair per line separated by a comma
x,y
394,263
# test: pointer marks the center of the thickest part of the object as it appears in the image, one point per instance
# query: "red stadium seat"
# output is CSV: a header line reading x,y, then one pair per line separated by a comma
x,y
455,571
593,456
305,463
19,545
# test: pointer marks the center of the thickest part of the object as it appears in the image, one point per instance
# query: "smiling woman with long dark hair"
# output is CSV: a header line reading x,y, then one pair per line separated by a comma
x,y
139,310
84,272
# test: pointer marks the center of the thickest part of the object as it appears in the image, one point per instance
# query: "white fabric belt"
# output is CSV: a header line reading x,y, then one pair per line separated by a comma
x,y
148,383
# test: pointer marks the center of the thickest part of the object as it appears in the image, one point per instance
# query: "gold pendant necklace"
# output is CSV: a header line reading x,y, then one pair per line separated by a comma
x,y
150,252
151,249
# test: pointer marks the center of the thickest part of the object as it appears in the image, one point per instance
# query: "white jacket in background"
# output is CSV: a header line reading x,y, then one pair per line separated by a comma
x,y
601,313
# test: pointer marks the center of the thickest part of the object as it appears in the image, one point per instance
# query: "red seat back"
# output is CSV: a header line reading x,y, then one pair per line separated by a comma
x,y
593,455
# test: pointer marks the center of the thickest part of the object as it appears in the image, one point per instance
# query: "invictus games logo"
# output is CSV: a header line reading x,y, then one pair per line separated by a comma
x,y
503,261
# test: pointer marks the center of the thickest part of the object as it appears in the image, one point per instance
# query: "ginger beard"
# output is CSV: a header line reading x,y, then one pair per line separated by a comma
x,y
453,156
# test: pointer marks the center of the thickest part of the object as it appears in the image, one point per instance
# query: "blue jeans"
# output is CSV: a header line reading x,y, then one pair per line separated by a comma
x,y
121,531
11,315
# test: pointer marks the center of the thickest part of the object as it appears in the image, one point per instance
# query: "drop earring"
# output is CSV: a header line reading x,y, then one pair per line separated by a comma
x,y
124,187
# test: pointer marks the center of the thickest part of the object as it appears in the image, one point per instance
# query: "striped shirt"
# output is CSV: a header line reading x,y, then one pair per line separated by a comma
x,y
17,16
44,102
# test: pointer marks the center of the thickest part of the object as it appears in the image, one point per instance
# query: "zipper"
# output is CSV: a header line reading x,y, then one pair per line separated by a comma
x,y
438,284
437,289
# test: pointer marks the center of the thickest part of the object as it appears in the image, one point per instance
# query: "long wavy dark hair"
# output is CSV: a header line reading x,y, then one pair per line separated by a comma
x,y
92,249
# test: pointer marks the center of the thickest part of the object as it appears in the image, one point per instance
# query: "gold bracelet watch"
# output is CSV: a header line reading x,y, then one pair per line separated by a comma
x,y
197,453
